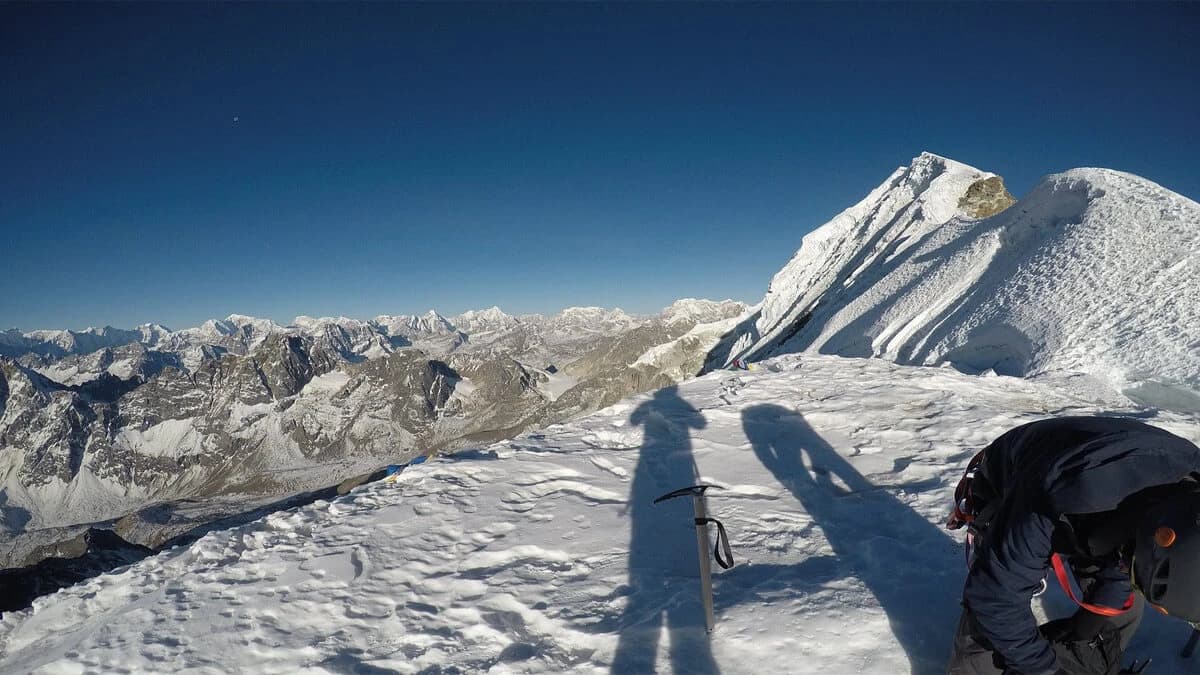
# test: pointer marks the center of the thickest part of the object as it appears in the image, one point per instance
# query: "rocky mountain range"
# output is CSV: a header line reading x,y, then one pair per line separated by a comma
x,y
105,424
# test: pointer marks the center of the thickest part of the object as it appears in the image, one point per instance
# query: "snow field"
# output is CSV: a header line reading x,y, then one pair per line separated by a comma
x,y
545,555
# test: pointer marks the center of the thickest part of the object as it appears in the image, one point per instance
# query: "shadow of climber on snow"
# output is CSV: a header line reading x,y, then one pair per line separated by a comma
x,y
876,537
662,549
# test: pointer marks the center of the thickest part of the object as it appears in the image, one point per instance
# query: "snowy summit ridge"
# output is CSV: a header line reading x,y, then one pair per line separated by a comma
x,y
1095,271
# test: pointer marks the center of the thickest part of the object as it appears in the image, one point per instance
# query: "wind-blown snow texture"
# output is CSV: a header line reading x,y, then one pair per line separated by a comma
x,y
1095,271
545,554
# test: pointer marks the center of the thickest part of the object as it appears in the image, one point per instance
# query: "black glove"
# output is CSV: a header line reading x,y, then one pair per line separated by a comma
x,y
1085,645
1083,625
1086,625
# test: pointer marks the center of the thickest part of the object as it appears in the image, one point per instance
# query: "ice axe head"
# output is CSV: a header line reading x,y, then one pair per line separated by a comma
x,y
694,490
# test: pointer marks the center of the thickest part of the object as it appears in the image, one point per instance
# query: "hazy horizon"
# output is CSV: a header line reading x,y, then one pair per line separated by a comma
x,y
289,321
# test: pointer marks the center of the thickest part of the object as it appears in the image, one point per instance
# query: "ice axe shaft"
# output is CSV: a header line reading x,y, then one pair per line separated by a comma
x,y
702,543
705,564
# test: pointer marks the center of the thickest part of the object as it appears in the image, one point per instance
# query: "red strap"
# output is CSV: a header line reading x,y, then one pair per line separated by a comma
x,y
1064,580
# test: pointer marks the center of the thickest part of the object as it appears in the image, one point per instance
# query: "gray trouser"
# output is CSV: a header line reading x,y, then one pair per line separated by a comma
x,y
972,654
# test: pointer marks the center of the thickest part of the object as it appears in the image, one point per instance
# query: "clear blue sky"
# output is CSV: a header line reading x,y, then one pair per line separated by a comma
x,y
172,163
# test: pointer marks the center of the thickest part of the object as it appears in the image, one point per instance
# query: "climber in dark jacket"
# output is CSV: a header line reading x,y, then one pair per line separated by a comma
x,y
1107,504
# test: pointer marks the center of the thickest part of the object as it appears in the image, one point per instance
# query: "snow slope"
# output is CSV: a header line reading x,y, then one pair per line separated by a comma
x,y
1095,271
545,554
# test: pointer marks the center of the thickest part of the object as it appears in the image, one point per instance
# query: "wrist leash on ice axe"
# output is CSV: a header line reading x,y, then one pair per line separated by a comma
x,y
721,551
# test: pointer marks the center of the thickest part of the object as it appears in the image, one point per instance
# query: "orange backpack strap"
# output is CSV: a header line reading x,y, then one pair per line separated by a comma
x,y
1065,580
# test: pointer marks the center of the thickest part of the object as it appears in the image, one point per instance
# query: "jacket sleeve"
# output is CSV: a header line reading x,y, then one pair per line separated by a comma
x,y
1007,572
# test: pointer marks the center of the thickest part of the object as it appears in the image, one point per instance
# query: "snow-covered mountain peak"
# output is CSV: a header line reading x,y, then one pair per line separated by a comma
x,y
702,311
485,320
431,331
236,331
259,325
1095,271
937,187
18,382
431,322
215,327
154,334
308,322
931,161
1093,183
927,156
492,313
591,320
590,313
12,336
587,310
928,164
910,203
87,340
351,339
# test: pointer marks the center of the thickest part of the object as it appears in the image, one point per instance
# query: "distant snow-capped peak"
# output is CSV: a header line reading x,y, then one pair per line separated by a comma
x,y
213,327
429,323
481,321
260,325
87,340
702,311
590,320
588,313
308,322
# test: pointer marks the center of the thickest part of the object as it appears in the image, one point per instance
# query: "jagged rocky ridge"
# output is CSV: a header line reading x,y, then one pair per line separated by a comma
x,y
246,407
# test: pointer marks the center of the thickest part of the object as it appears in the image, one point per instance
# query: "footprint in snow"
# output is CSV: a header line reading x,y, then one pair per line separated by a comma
x,y
360,560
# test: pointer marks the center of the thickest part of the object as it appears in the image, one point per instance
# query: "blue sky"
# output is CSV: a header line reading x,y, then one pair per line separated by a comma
x,y
171,163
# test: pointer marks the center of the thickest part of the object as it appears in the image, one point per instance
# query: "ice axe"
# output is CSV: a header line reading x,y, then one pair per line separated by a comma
x,y
702,520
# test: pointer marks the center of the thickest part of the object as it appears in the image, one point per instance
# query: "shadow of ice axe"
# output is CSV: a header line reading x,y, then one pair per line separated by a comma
x,y
722,552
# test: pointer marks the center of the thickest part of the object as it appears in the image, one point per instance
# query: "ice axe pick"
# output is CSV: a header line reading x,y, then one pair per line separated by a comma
x,y
722,552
